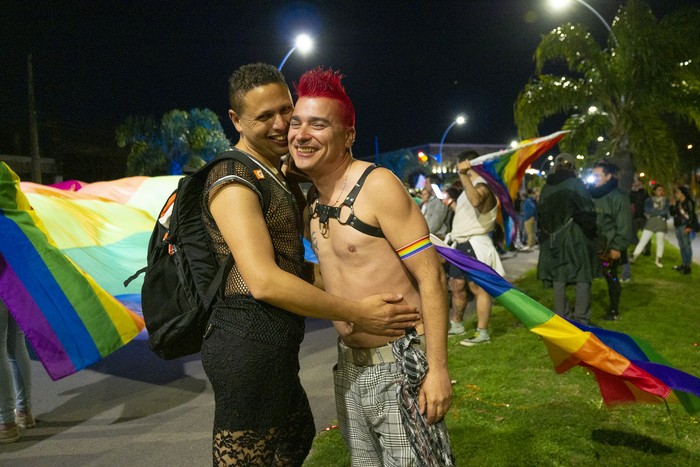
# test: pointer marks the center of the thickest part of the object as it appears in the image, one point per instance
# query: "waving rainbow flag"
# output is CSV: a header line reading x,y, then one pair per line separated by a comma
x,y
504,171
626,369
103,227
60,287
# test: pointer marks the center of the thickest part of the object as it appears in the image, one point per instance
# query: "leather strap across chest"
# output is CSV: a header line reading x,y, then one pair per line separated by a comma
x,y
324,212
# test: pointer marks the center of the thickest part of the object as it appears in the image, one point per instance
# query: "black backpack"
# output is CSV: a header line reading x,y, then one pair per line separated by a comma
x,y
183,278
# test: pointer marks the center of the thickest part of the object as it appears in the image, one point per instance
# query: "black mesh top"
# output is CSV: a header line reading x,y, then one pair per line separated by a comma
x,y
239,312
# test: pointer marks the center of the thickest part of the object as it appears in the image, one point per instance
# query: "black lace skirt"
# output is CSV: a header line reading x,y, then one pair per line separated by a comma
x,y
256,384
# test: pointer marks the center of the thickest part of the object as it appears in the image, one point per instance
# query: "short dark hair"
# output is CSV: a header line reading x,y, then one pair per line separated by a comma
x,y
453,192
248,77
607,166
467,154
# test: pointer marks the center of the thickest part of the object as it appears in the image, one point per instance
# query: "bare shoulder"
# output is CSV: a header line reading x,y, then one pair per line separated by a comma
x,y
383,182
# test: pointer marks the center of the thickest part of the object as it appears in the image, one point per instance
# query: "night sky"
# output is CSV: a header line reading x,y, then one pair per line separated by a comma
x,y
410,67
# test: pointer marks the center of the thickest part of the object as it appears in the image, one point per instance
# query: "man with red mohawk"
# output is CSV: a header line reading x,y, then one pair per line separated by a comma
x,y
370,236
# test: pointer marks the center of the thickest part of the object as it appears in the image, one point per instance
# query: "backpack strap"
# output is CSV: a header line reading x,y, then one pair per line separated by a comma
x,y
264,189
217,282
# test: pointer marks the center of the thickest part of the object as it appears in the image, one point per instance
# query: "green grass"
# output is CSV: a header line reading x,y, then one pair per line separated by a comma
x,y
510,408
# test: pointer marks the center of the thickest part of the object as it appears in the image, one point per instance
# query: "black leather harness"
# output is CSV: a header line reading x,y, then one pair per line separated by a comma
x,y
324,212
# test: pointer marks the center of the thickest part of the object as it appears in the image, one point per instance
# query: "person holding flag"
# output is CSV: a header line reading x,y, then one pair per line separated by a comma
x,y
475,218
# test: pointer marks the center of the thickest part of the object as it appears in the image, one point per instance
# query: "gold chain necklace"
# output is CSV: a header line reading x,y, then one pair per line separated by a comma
x,y
323,226
342,189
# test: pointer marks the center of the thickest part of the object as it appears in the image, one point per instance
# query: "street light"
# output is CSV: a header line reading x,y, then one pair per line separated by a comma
x,y
303,42
559,4
458,121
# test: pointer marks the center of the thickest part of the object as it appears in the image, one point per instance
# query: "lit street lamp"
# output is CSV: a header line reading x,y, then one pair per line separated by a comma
x,y
303,42
559,4
458,121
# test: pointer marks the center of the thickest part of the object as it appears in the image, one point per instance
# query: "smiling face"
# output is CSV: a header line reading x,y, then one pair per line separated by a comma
x,y
263,122
318,140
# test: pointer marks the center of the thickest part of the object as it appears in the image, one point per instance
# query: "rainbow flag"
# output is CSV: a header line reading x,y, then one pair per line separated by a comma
x,y
504,171
626,369
60,287
104,227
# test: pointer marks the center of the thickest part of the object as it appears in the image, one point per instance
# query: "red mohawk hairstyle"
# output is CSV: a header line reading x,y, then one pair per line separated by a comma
x,y
326,83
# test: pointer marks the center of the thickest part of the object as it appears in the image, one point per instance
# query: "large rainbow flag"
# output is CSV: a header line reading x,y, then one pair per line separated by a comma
x,y
504,171
104,227
626,368
60,287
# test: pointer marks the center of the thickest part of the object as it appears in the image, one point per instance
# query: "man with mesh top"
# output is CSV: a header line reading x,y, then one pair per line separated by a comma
x,y
250,350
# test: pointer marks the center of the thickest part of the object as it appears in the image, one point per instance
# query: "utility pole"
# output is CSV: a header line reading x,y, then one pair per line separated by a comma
x,y
33,133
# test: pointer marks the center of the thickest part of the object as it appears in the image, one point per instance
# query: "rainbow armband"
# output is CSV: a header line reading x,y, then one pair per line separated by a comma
x,y
411,249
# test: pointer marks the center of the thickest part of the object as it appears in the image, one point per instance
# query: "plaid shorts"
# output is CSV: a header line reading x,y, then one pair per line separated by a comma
x,y
369,416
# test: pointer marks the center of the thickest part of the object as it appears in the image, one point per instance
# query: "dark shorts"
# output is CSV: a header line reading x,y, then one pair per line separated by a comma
x,y
454,272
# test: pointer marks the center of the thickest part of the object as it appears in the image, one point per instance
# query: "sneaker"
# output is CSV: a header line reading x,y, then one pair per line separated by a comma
x,y
455,329
658,263
679,268
24,419
480,337
8,433
625,280
686,270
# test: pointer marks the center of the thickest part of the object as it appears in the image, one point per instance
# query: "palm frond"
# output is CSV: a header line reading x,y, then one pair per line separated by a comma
x,y
546,96
650,72
575,46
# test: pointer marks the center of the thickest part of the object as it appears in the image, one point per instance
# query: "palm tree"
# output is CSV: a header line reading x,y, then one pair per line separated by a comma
x,y
630,93
183,139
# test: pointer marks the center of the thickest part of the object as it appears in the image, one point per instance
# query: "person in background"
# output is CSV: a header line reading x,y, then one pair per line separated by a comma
x,y
520,239
685,221
452,193
529,215
368,235
436,213
614,225
566,222
475,219
656,211
15,380
638,196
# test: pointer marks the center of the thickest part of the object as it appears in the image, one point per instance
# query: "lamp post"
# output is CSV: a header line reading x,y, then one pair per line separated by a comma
x,y
303,42
558,4
458,121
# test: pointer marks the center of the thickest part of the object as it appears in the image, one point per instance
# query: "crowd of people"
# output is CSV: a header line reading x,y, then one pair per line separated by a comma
x,y
362,224
583,230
